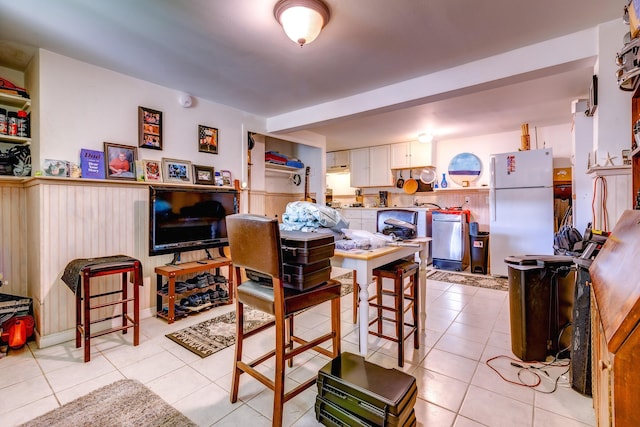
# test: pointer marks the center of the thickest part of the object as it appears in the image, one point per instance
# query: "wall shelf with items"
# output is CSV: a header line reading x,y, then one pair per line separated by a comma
x,y
274,167
14,103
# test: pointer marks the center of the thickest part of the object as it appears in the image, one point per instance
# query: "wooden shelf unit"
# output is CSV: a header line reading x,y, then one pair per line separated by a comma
x,y
173,271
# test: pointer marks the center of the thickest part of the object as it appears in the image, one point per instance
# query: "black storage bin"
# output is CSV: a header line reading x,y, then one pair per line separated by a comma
x,y
479,252
533,304
580,367
376,395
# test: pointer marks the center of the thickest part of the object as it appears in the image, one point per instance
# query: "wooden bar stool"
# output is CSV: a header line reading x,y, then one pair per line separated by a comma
x,y
398,271
104,267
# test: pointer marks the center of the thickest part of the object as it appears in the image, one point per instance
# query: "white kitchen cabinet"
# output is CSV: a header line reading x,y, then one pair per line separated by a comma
x,y
361,218
369,167
338,161
414,154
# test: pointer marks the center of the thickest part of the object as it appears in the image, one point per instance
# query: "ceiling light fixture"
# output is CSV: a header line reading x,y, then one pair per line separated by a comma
x,y
302,20
425,137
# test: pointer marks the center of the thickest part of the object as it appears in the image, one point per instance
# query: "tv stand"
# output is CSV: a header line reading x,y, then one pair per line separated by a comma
x,y
171,271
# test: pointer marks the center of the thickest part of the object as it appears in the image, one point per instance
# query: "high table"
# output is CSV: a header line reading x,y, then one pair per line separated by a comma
x,y
364,261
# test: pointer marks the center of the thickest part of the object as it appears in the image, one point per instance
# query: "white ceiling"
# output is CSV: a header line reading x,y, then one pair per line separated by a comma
x,y
233,52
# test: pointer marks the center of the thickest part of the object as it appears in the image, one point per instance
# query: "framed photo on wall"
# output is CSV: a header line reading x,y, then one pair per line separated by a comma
x,y
149,128
178,171
152,170
207,139
203,175
120,161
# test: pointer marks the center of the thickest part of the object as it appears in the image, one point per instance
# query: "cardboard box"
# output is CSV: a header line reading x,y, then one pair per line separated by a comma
x,y
562,175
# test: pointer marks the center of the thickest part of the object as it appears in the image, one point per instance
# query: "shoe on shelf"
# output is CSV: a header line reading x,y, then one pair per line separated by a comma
x,y
205,298
214,296
220,278
222,293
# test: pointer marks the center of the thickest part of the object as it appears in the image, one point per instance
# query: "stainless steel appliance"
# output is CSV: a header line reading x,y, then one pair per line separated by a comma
x,y
450,239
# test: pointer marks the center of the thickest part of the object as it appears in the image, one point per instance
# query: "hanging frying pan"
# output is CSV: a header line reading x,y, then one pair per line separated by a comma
x,y
400,181
428,175
411,185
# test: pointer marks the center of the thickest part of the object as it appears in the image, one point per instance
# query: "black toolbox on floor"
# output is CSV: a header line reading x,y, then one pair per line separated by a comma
x,y
376,395
299,247
333,415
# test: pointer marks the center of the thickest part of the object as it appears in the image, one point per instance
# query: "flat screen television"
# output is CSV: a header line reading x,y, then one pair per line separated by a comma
x,y
188,218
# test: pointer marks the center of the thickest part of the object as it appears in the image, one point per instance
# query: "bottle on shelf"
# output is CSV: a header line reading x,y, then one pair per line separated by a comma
x,y
12,123
443,183
23,124
3,121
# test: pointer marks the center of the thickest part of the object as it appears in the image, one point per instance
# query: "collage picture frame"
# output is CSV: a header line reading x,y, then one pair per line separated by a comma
x,y
149,128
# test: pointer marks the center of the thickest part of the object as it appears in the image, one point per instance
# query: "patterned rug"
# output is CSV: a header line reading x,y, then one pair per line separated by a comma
x,y
213,335
469,279
123,403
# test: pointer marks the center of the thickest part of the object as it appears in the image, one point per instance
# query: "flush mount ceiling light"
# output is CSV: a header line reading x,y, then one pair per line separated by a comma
x,y
302,20
425,137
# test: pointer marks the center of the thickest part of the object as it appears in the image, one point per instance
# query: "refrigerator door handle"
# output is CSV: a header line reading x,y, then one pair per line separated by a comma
x,y
492,188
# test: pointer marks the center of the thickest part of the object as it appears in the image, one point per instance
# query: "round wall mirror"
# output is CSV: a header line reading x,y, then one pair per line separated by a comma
x,y
464,169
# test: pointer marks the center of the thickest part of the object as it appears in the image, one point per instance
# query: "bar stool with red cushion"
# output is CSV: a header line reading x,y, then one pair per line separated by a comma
x,y
254,243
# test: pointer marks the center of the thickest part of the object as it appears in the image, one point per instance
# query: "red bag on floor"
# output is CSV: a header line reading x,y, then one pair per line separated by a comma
x,y
16,330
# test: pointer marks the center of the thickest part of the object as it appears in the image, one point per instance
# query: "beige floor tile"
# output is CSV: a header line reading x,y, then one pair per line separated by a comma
x,y
502,411
152,367
208,405
178,384
24,393
568,403
79,372
29,411
542,418
428,414
466,422
460,346
439,389
449,364
471,333
488,379
244,415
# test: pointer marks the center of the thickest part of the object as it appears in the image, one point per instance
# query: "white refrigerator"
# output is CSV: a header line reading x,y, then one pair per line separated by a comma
x,y
520,206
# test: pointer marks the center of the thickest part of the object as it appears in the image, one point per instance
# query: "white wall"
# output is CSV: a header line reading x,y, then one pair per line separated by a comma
x,y
557,137
82,106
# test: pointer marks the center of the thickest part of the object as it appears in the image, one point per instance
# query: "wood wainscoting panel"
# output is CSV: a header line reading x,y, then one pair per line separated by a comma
x,y
13,238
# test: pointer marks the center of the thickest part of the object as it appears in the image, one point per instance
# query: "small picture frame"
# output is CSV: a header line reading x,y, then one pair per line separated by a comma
x,y
152,170
120,161
207,139
175,170
149,128
52,167
203,175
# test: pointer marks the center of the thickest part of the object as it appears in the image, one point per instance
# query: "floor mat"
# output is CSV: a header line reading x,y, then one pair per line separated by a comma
x,y
213,335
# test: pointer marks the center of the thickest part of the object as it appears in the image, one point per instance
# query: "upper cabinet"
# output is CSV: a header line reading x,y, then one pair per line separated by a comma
x,y
370,167
338,161
414,154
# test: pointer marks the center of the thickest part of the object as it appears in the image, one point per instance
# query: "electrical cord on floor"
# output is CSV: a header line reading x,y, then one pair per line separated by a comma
x,y
532,370
535,368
